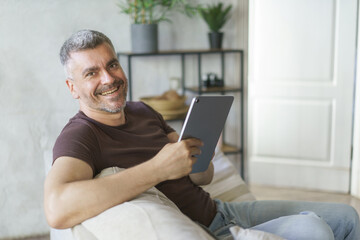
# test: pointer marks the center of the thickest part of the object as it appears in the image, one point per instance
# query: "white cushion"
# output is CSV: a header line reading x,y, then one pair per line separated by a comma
x,y
150,215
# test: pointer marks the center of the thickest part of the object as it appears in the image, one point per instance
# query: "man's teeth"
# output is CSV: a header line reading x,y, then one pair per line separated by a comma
x,y
109,92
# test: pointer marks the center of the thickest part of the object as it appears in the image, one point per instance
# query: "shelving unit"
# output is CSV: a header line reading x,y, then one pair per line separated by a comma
x,y
227,148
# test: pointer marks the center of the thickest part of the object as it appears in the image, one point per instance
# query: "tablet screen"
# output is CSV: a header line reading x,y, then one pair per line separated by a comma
x,y
205,120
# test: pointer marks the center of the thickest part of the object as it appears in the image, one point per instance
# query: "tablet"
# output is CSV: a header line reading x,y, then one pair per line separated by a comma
x,y
205,120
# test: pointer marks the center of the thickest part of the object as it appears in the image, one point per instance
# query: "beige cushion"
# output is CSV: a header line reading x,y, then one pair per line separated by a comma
x,y
150,215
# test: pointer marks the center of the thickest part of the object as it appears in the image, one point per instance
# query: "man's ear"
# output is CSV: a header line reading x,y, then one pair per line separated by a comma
x,y
72,88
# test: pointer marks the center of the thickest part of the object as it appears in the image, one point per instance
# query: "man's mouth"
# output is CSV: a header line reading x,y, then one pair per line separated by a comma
x,y
110,91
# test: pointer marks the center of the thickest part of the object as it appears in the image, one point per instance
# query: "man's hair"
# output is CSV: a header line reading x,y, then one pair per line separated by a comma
x,y
82,40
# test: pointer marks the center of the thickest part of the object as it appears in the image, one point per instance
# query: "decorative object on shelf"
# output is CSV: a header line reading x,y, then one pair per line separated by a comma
x,y
212,80
170,104
215,17
145,16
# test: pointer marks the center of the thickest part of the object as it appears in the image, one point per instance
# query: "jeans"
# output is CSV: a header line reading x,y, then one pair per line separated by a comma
x,y
288,219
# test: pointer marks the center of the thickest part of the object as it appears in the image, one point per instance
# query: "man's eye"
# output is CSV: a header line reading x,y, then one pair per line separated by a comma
x,y
90,74
114,65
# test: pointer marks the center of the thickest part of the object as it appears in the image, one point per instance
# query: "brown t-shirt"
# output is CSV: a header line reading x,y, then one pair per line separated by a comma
x,y
142,136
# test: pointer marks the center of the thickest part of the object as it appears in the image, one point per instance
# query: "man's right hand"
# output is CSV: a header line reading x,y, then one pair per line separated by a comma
x,y
175,160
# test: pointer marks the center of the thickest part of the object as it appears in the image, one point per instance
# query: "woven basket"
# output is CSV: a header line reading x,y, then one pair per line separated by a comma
x,y
175,114
160,104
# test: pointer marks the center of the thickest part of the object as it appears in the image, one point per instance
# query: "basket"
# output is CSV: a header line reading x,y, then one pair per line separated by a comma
x,y
161,104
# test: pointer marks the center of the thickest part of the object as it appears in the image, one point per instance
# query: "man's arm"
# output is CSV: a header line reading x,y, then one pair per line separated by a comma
x,y
71,195
202,178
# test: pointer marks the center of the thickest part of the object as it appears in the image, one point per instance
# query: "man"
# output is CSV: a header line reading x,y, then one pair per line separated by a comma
x,y
108,131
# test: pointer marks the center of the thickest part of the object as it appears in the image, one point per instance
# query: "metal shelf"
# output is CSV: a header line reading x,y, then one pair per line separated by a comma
x,y
179,52
226,89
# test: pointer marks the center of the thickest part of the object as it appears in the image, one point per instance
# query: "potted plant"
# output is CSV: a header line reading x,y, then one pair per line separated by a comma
x,y
145,16
215,16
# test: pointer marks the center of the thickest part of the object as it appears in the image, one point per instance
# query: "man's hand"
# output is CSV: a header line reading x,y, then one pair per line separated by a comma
x,y
175,160
202,178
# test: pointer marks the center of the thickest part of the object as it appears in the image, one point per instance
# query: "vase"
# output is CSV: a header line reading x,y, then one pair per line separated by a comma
x,y
144,38
215,39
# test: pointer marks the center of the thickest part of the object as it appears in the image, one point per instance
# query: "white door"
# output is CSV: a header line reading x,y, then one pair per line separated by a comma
x,y
301,75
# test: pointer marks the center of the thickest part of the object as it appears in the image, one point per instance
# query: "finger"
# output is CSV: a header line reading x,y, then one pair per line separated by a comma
x,y
195,151
194,142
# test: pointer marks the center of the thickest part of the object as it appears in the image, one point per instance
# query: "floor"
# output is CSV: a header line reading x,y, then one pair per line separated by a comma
x,y
272,193
269,193
44,237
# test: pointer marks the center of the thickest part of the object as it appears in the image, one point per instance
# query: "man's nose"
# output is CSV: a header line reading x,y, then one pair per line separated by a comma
x,y
106,77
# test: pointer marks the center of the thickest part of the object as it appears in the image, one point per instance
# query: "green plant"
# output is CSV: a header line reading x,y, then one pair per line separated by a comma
x,y
154,11
215,16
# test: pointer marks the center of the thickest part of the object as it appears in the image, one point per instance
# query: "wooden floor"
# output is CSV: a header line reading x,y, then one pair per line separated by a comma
x,y
272,193
42,237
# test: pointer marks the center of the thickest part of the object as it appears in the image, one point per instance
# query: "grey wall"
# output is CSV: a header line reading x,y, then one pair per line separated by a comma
x,y
34,100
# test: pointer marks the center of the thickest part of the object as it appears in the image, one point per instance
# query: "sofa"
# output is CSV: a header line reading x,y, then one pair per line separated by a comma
x,y
152,216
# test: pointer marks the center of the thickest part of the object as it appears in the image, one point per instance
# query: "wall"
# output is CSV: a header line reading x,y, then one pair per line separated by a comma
x,y
35,103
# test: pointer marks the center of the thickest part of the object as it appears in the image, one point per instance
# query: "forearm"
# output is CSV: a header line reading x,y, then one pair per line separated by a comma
x,y
72,203
203,178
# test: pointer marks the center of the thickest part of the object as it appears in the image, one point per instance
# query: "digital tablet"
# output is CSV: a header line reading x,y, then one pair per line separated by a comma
x,y
205,120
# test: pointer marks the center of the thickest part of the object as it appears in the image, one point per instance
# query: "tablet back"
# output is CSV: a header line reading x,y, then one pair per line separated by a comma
x,y
205,120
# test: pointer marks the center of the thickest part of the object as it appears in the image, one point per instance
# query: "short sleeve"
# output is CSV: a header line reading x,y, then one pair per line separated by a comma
x,y
77,140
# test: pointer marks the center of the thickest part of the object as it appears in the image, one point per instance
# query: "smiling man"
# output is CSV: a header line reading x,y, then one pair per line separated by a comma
x,y
109,132
100,85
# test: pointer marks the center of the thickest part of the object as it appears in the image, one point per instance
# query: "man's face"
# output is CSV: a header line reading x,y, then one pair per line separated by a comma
x,y
97,79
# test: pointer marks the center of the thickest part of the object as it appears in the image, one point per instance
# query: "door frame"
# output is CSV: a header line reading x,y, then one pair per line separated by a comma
x,y
355,166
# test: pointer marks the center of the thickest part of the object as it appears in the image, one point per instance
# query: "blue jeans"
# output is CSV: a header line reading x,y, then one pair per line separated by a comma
x,y
288,219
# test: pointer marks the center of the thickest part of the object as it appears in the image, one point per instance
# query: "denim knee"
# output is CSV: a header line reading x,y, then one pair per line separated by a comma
x,y
316,228
351,214
348,225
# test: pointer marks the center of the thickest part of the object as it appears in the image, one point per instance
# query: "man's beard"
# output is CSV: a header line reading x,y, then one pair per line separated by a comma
x,y
123,88
114,110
